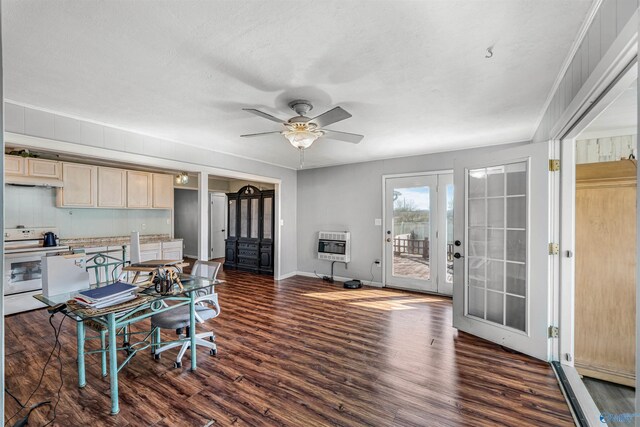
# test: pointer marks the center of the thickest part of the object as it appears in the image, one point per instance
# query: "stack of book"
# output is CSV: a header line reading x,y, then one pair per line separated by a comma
x,y
107,296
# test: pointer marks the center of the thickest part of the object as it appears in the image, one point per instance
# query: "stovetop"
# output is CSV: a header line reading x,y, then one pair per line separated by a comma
x,y
31,239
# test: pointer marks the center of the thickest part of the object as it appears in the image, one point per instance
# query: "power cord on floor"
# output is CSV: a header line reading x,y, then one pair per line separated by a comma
x,y
371,272
56,345
55,407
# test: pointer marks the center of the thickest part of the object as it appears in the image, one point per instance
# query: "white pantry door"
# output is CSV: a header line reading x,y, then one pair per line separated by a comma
x,y
218,227
501,265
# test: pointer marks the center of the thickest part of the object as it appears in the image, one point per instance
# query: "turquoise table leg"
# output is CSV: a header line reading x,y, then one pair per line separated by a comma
x,y
192,329
103,355
113,362
80,350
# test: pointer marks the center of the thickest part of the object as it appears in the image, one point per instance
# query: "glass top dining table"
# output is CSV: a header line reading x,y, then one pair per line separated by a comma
x,y
113,322
146,295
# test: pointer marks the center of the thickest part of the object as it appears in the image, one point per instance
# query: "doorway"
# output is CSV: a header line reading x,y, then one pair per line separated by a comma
x,y
419,232
598,347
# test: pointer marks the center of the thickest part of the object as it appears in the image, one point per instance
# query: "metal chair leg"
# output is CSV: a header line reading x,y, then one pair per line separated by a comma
x,y
103,354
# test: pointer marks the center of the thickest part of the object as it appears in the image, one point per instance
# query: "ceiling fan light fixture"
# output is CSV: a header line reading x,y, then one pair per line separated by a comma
x,y
301,135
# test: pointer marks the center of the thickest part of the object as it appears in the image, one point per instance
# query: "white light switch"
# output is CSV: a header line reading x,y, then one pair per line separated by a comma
x,y
281,222
377,222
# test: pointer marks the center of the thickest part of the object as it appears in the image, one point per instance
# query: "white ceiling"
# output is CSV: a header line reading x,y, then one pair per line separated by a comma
x,y
619,118
413,73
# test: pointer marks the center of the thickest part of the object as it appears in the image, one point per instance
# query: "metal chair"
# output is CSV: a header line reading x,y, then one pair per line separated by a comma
x,y
178,318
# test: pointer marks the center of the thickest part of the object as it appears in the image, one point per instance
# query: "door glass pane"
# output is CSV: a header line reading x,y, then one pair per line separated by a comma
x,y
411,232
497,244
266,222
449,232
255,217
244,217
495,306
232,218
476,301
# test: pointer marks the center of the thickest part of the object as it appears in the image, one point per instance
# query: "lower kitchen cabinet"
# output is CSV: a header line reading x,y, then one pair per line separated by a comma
x,y
172,250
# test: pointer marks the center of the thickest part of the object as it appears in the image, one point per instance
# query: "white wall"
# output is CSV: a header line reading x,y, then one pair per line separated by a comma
x,y
349,198
36,207
606,149
80,137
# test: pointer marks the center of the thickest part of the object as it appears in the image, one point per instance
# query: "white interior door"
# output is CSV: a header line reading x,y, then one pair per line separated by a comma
x,y
218,224
445,234
501,269
410,231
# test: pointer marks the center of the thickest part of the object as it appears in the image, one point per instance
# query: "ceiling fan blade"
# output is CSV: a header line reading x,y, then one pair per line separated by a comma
x,y
251,135
332,116
264,115
353,138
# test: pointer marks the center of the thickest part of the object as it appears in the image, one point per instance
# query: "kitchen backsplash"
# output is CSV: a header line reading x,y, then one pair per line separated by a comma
x,y
36,207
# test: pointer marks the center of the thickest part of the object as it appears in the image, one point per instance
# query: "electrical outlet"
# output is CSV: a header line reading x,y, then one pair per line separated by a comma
x,y
143,226
168,221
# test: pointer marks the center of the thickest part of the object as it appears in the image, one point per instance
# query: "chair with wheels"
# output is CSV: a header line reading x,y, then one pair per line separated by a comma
x,y
207,307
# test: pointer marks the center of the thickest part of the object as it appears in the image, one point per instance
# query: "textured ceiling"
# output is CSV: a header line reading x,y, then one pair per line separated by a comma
x,y
413,73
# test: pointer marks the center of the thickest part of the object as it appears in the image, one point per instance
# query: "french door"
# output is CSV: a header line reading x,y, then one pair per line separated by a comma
x,y
501,267
416,230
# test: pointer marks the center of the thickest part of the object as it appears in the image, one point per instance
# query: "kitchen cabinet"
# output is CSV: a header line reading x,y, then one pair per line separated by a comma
x,y
162,191
42,168
112,188
139,189
249,245
149,251
14,165
39,168
80,186
172,250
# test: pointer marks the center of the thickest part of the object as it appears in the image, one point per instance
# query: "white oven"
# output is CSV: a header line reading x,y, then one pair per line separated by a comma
x,y
23,272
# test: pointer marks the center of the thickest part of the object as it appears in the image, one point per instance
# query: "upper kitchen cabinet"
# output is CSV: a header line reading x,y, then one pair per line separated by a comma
x,y
38,168
139,189
80,186
43,168
14,165
162,191
112,188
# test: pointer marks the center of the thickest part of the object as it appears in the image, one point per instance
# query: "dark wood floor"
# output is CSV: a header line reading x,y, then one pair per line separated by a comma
x,y
301,352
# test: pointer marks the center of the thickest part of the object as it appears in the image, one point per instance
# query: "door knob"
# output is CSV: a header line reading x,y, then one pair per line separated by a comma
x,y
222,229
457,255
457,243
388,231
389,239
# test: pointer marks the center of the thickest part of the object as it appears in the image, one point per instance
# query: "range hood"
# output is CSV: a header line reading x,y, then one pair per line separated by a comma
x,y
32,181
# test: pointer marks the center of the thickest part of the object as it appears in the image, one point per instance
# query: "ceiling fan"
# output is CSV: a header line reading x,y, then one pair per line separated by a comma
x,y
302,131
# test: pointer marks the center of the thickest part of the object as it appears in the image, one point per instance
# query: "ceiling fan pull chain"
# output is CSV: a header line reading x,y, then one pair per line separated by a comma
x,y
301,158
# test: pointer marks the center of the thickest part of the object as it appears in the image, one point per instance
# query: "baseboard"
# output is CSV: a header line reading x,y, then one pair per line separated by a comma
x,y
340,279
288,275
